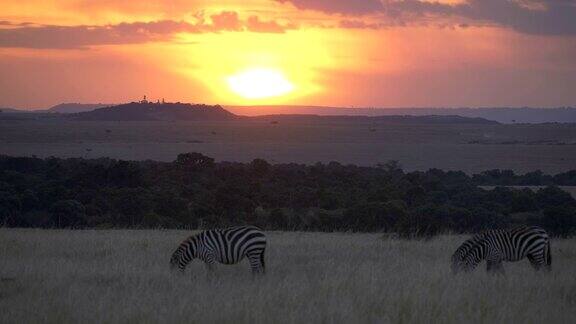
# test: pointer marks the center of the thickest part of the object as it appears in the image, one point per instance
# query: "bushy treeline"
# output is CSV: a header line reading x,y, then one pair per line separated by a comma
x,y
535,178
194,191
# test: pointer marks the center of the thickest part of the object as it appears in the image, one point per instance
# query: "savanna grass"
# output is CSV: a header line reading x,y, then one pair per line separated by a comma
x,y
122,276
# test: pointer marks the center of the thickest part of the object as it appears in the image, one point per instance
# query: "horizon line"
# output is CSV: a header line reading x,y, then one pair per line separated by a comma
x,y
28,109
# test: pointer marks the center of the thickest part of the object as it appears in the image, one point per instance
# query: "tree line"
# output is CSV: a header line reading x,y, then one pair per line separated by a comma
x,y
194,191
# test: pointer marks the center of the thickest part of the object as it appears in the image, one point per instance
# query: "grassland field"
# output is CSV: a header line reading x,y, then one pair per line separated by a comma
x,y
467,147
122,276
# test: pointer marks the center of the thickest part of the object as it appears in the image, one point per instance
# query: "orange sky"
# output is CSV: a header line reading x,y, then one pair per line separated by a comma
x,y
385,53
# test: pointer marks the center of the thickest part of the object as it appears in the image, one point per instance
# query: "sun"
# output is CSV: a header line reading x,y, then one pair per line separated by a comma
x,y
259,83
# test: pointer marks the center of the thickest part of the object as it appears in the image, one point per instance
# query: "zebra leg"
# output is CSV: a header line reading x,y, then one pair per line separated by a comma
x,y
538,261
263,262
256,260
495,267
210,266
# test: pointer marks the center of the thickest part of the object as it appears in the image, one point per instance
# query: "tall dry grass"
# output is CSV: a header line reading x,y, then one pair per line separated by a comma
x,y
122,276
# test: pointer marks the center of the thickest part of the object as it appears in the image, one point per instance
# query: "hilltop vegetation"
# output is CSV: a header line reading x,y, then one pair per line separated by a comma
x,y
195,191
71,108
395,119
141,111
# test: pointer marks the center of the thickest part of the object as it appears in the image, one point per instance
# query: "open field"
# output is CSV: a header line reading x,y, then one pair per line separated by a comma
x,y
471,148
120,276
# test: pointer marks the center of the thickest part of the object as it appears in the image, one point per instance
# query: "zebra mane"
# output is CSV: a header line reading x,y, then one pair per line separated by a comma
x,y
180,250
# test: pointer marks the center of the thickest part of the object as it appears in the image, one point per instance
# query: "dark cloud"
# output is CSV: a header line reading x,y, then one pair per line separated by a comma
x,y
358,24
346,7
543,17
558,17
82,36
77,37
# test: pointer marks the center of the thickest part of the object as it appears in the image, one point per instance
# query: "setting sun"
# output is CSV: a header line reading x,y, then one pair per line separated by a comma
x,y
259,83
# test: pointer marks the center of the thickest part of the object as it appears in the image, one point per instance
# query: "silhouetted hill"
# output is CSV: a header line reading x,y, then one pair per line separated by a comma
x,y
502,115
137,111
405,119
71,108
157,111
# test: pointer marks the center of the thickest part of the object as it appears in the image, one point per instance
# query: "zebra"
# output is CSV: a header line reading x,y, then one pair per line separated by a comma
x,y
496,246
226,246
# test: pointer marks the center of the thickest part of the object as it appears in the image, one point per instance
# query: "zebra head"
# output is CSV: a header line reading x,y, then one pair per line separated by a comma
x,y
175,260
460,263
466,264
455,264
468,255
458,266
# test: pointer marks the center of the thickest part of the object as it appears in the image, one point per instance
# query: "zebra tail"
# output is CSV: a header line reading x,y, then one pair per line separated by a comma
x,y
548,255
262,261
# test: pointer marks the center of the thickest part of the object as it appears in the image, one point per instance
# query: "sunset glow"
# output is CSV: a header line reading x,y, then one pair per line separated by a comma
x,y
371,53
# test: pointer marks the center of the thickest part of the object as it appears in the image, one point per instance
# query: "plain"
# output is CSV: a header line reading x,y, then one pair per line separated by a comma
x,y
467,147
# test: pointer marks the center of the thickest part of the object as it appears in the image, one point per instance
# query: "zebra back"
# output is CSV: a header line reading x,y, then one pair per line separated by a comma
x,y
231,244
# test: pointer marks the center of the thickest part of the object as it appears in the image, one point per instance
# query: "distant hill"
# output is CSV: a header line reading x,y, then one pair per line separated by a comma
x,y
156,111
10,110
137,111
71,108
17,114
502,115
404,119
18,111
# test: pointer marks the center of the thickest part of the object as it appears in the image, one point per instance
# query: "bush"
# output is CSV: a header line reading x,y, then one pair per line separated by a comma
x,y
195,191
68,213
424,222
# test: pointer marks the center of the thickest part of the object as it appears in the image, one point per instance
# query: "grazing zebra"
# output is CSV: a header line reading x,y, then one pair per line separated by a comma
x,y
227,246
496,246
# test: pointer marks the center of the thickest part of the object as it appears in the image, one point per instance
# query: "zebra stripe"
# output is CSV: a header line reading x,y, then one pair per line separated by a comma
x,y
497,246
226,246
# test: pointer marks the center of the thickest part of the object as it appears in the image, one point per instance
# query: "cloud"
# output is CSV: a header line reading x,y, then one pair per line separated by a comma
x,y
254,24
226,21
81,36
78,37
542,17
